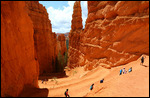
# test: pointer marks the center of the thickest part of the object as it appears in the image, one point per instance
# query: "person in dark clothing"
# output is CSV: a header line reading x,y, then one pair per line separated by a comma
x,y
66,93
101,81
142,60
91,87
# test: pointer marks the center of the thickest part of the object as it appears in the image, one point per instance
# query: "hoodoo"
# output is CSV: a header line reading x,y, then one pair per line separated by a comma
x,y
74,36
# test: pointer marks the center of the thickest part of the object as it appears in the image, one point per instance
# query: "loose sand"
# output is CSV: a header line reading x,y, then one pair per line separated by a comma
x,y
133,84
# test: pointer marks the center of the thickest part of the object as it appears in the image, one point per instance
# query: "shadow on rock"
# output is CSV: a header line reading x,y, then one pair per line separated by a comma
x,y
30,91
47,76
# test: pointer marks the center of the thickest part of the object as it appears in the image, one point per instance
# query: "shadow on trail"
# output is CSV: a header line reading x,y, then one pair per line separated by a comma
x,y
47,76
145,65
30,91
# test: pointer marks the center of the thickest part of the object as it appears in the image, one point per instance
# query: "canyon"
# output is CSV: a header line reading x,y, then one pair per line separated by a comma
x,y
29,47
116,33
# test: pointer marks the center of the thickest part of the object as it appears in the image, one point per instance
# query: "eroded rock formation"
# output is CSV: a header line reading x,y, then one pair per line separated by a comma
x,y
18,64
61,44
74,36
44,40
76,17
116,32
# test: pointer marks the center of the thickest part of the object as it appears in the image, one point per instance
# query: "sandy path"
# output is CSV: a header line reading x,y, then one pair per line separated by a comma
x,y
78,86
134,84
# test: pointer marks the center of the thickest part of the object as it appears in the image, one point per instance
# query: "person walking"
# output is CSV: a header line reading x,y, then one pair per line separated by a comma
x,y
101,81
142,60
120,71
91,87
124,70
66,93
130,69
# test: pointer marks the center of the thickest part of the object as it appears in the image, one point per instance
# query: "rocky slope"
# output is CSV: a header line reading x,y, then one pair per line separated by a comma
x,y
44,39
116,33
19,66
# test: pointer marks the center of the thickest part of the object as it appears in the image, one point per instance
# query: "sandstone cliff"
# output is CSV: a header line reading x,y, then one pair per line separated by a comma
x,y
44,39
18,64
74,36
61,44
116,33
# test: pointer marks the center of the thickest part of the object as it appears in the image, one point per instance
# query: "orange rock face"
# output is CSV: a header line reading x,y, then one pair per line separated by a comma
x,y
74,36
76,17
44,39
18,64
61,44
116,33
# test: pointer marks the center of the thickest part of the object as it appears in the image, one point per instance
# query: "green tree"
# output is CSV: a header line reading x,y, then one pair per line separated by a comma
x,y
67,44
66,58
60,62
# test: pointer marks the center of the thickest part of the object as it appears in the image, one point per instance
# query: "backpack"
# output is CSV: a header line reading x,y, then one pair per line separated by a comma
x,y
65,93
101,81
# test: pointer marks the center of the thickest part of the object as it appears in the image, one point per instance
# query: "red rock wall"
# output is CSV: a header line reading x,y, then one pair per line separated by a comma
x,y
61,53
18,64
45,44
116,32
74,36
61,44
53,40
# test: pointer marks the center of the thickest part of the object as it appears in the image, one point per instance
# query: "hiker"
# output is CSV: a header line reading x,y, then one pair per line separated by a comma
x,y
142,60
101,81
130,69
42,81
124,70
91,87
120,71
66,93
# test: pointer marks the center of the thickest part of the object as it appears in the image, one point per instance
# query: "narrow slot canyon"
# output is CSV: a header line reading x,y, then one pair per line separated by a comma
x,y
38,62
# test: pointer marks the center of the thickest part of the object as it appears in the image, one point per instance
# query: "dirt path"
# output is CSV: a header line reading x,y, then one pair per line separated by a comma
x,y
134,84
77,85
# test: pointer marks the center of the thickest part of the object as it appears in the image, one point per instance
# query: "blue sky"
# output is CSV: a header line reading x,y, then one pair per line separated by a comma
x,y
60,14
55,4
